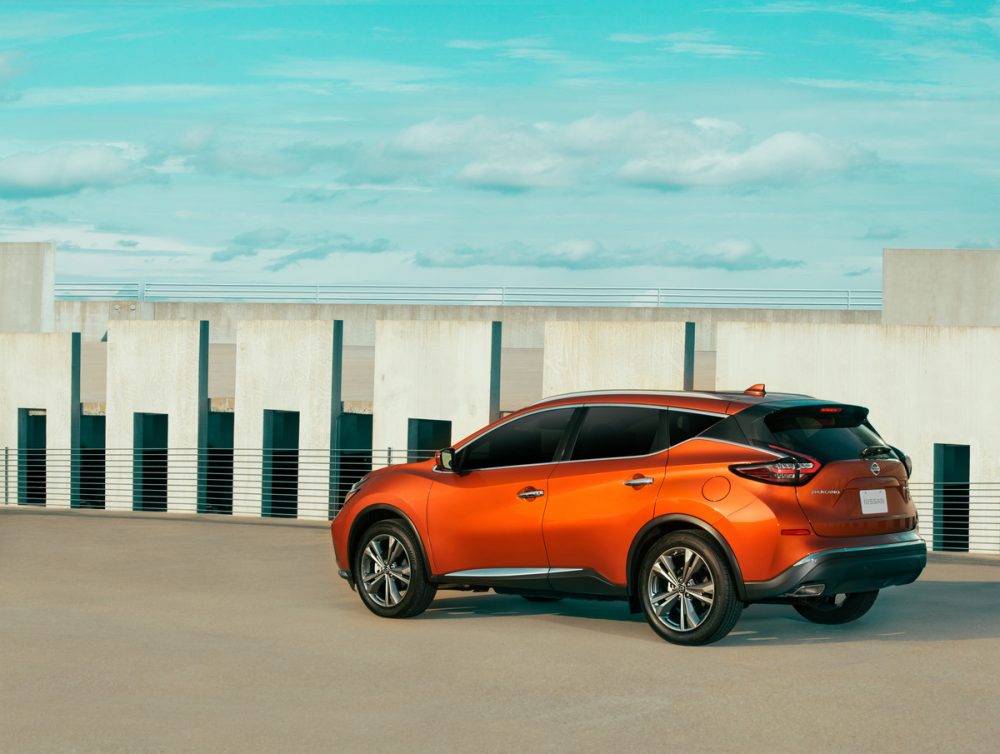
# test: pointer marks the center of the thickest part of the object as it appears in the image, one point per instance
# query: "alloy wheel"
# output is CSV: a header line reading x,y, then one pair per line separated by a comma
x,y
385,570
681,589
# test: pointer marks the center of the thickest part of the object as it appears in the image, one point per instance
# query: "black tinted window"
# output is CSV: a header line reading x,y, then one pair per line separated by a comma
x,y
616,431
531,439
826,433
684,425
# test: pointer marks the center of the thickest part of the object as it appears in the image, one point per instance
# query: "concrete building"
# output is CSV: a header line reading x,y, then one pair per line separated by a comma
x,y
27,281
157,415
242,415
435,382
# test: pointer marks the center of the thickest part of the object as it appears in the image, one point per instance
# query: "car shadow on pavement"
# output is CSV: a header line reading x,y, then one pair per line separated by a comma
x,y
924,611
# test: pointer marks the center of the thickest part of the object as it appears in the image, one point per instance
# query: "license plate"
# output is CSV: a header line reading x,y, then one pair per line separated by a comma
x,y
874,501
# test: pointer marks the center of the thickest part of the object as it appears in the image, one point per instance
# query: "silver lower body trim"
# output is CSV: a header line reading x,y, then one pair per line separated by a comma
x,y
480,573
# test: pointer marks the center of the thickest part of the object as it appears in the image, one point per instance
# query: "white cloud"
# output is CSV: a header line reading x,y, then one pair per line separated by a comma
x,y
589,254
70,169
640,149
701,43
371,75
788,157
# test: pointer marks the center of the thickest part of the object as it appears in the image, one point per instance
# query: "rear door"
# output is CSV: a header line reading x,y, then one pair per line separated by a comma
x,y
861,486
603,493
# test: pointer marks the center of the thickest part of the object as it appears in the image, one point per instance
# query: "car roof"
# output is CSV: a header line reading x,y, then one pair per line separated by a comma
x,y
716,402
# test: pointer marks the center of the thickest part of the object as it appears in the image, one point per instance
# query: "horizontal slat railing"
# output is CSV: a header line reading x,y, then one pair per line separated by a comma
x,y
312,484
279,483
959,517
580,296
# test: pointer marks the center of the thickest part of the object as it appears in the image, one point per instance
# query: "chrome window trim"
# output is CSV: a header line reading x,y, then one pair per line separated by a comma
x,y
721,414
672,393
504,424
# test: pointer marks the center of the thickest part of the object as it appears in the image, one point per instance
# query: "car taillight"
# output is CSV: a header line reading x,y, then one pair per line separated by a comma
x,y
789,470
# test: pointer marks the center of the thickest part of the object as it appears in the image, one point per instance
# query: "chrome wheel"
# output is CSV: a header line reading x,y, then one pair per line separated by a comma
x,y
681,589
385,570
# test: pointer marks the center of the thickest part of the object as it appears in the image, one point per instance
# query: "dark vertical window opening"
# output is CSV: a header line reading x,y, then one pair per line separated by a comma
x,y
31,461
93,463
281,464
219,464
951,497
149,470
426,436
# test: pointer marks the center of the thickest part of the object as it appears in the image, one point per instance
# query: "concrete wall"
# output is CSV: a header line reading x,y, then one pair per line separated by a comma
x,y
40,371
523,326
941,287
160,368
287,366
27,278
447,371
923,385
609,355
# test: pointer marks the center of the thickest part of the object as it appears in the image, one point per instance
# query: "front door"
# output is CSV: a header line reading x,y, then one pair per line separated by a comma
x,y
487,518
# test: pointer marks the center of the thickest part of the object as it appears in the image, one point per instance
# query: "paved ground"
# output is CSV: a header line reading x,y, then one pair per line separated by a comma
x,y
138,632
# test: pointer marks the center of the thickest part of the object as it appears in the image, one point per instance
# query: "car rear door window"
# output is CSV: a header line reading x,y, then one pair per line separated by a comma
x,y
531,439
685,425
620,431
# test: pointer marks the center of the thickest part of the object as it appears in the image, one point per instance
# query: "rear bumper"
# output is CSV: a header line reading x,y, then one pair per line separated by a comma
x,y
847,569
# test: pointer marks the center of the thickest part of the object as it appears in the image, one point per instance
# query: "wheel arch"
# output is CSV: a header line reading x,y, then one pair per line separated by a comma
x,y
372,515
671,522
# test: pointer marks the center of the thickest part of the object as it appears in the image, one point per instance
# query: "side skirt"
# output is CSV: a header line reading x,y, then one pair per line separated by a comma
x,y
563,582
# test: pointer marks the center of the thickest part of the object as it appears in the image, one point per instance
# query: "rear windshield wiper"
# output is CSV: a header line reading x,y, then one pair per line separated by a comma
x,y
877,450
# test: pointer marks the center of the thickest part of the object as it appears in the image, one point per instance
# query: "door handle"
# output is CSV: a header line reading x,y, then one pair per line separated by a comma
x,y
530,492
639,481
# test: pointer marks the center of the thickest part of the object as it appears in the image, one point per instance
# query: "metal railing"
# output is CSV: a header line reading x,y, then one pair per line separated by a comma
x,y
312,484
267,483
590,296
959,517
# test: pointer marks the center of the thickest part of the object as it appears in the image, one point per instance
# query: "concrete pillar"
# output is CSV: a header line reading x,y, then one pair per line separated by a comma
x,y
617,355
41,372
287,366
438,370
157,368
27,285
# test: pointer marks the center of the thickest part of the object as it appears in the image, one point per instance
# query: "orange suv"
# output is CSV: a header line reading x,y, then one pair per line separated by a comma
x,y
690,506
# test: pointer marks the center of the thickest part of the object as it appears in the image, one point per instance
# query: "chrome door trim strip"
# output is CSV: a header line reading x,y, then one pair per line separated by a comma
x,y
499,573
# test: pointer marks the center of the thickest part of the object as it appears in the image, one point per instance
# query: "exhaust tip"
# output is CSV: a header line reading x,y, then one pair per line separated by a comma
x,y
808,590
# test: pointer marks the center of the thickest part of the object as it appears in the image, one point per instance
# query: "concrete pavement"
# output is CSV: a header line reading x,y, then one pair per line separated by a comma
x,y
148,632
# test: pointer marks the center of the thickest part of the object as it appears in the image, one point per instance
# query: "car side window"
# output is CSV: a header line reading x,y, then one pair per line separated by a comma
x,y
528,440
685,425
620,431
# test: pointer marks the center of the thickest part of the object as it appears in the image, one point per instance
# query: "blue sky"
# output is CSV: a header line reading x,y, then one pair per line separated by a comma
x,y
743,144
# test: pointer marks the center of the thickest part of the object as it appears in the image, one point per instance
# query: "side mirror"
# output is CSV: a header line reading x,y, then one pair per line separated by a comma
x,y
445,459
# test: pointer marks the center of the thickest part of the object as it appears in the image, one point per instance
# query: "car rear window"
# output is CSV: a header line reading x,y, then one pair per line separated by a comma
x,y
826,433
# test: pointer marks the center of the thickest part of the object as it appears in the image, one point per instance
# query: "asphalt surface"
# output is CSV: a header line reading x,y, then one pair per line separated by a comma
x,y
151,633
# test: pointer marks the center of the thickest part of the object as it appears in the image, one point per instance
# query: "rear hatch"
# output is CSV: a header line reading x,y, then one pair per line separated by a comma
x,y
856,484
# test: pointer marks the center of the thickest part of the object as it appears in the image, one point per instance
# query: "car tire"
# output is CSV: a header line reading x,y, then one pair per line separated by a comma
x,y
540,598
390,572
835,609
686,589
